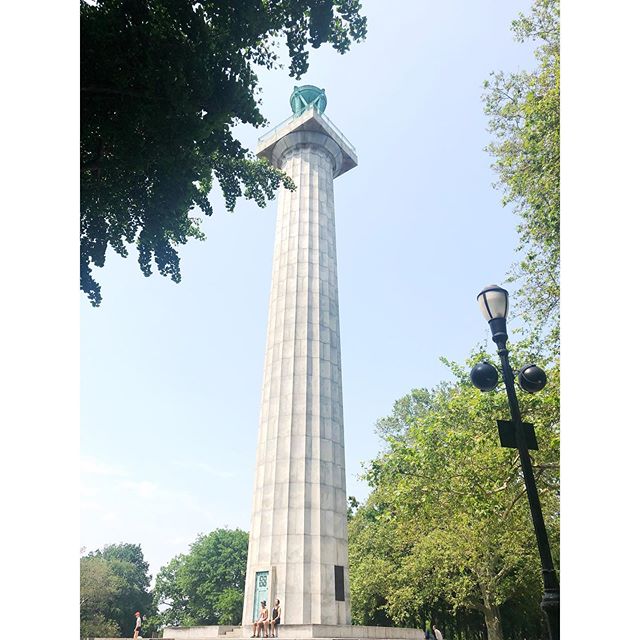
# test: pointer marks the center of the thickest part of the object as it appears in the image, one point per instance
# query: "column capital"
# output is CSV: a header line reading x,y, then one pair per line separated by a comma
x,y
319,141
311,127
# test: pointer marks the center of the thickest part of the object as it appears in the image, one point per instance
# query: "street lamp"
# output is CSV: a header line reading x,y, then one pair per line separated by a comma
x,y
494,304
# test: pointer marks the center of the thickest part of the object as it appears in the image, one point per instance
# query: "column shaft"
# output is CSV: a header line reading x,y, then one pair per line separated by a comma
x,y
298,526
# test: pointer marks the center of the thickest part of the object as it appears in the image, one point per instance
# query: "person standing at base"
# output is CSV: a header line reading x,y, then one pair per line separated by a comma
x,y
137,632
261,623
276,615
437,633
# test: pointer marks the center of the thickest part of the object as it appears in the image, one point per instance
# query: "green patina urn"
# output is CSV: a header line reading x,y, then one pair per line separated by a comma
x,y
307,96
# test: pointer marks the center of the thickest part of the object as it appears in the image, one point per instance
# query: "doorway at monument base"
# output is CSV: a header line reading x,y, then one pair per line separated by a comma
x,y
296,632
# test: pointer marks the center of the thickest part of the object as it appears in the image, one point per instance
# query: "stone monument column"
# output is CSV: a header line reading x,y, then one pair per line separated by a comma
x,y
298,538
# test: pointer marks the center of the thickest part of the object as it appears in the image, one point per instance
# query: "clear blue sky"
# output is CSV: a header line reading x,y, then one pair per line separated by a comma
x,y
171,374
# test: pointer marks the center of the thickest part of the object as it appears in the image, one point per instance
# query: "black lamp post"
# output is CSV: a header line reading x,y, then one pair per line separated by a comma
x,y
494,304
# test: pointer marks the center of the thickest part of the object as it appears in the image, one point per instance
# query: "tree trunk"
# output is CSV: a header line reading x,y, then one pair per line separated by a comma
x,y
492,619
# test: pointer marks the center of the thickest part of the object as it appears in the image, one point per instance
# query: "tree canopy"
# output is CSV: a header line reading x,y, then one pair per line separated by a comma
x,y
206,585
98,591
114,584
524,120
447,527
162,84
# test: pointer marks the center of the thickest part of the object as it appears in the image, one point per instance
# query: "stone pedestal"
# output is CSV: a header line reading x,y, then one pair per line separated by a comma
x,y
296,632
298,538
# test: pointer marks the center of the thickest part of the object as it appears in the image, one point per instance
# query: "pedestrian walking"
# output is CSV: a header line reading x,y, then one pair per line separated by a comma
x,y
137,632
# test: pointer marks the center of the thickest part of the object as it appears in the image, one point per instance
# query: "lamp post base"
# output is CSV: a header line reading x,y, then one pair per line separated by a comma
x,y
550,606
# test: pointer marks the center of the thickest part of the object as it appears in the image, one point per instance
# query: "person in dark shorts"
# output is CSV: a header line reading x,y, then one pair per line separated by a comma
x,y
137,632
276,615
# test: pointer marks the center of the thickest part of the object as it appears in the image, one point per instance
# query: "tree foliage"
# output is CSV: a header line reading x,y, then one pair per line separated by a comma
x,y
98,591
124,589
524,120
206,585
447,526
162,84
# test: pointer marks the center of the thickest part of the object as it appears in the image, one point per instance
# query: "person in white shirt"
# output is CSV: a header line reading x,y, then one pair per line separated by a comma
x,y
138,629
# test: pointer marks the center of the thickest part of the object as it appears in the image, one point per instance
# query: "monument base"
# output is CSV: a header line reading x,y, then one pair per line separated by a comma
x,y
295,632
